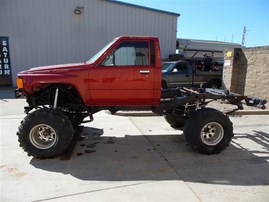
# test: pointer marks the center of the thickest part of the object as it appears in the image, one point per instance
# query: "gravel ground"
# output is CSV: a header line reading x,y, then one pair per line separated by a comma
x,y
225,106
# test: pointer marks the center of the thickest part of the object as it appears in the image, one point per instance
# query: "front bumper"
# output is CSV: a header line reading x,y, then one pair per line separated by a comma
x,y
18,93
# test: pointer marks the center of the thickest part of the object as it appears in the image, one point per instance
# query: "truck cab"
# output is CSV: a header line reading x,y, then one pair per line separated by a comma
x,y
126,72
177,74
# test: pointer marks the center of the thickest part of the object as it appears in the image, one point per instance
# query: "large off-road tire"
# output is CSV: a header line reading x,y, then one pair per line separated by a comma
x,y
208,131
175,121
45,133
113,110
76,119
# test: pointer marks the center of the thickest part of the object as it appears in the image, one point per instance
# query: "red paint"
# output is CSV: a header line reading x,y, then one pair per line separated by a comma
x,y
104,85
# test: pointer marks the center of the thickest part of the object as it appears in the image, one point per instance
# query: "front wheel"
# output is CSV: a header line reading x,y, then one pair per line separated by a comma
x,y
208,131
45,133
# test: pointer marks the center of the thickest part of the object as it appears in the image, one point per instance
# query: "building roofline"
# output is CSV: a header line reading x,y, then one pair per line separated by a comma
x,y
142,7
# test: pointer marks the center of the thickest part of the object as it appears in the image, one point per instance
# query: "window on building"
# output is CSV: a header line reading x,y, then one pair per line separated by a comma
x,y
129,54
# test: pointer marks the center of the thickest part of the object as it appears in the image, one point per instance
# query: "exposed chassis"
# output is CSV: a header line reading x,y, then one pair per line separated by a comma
x,y
173,98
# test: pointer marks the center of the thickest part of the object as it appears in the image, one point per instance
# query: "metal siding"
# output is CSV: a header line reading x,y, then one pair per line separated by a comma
x,y
47,32
140,22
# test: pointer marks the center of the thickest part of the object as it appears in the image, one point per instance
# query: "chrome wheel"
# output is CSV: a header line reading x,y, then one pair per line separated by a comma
x,y
212,133
43,136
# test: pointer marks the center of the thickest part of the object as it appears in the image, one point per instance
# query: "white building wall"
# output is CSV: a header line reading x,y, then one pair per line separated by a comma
x,y
44,32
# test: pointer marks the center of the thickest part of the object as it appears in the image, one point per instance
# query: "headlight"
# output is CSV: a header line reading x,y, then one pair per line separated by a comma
x,y
19,83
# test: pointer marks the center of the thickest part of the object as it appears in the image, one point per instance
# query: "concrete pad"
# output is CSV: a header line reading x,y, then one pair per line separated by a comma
x,y
112,156
137,191
135,157
241,168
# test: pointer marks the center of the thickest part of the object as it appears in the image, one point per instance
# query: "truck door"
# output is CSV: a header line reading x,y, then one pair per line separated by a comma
x,y
180,76
125,77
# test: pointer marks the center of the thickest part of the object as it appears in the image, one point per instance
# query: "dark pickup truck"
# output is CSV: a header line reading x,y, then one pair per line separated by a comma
x,y
182,74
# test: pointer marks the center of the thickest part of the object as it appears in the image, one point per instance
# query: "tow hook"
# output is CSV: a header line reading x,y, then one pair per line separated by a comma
x,y
18,93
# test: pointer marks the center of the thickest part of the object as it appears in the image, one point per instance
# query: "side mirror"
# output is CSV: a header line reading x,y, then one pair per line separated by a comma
x,y
175,70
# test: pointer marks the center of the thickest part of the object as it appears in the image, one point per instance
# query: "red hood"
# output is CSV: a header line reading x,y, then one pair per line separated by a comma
x,y
54,68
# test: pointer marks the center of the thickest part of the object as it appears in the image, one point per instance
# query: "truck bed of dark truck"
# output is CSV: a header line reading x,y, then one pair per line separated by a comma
x,y
125,73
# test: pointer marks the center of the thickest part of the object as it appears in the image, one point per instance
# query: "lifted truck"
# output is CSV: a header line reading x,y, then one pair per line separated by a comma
x,y
125,73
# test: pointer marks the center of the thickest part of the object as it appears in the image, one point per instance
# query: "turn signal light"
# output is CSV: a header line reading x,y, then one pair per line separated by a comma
x,y
19,83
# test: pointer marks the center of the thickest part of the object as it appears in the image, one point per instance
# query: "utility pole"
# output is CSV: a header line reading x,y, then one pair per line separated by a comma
x,y
244,36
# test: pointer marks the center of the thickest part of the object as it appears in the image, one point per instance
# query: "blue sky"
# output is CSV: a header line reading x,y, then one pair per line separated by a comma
x,y
221,20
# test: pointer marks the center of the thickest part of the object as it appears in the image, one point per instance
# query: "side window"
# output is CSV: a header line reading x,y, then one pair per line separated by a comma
x,y
181,68
129,54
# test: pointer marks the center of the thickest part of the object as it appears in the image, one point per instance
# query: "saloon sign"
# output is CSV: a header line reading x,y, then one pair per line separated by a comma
x,y
5,69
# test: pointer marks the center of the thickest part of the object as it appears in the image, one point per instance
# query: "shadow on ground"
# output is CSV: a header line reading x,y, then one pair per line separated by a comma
x,y
162,157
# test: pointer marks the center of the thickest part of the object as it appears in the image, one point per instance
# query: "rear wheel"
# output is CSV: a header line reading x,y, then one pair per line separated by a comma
x,y
208,131
45,133
175,120
113,110
214,84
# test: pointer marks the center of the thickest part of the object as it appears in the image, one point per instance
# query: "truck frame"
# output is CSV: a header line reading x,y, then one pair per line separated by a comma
x,y
126,73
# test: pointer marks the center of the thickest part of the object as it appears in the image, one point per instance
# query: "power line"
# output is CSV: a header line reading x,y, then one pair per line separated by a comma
x,y
244,36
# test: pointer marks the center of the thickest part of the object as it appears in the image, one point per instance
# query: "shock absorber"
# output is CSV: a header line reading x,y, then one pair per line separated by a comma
x,y
56,98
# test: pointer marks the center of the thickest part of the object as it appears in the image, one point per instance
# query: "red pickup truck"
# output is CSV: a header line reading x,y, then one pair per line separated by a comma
x,y
125,73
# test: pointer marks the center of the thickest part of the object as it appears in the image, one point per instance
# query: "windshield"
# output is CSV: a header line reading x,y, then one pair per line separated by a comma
x,y
167,66
97,55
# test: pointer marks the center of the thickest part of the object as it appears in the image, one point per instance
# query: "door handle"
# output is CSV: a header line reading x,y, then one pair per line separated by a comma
x,y
144,71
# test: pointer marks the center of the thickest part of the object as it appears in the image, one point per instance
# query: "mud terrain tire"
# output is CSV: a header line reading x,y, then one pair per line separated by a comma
x,y
175,121
45,133
208,131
